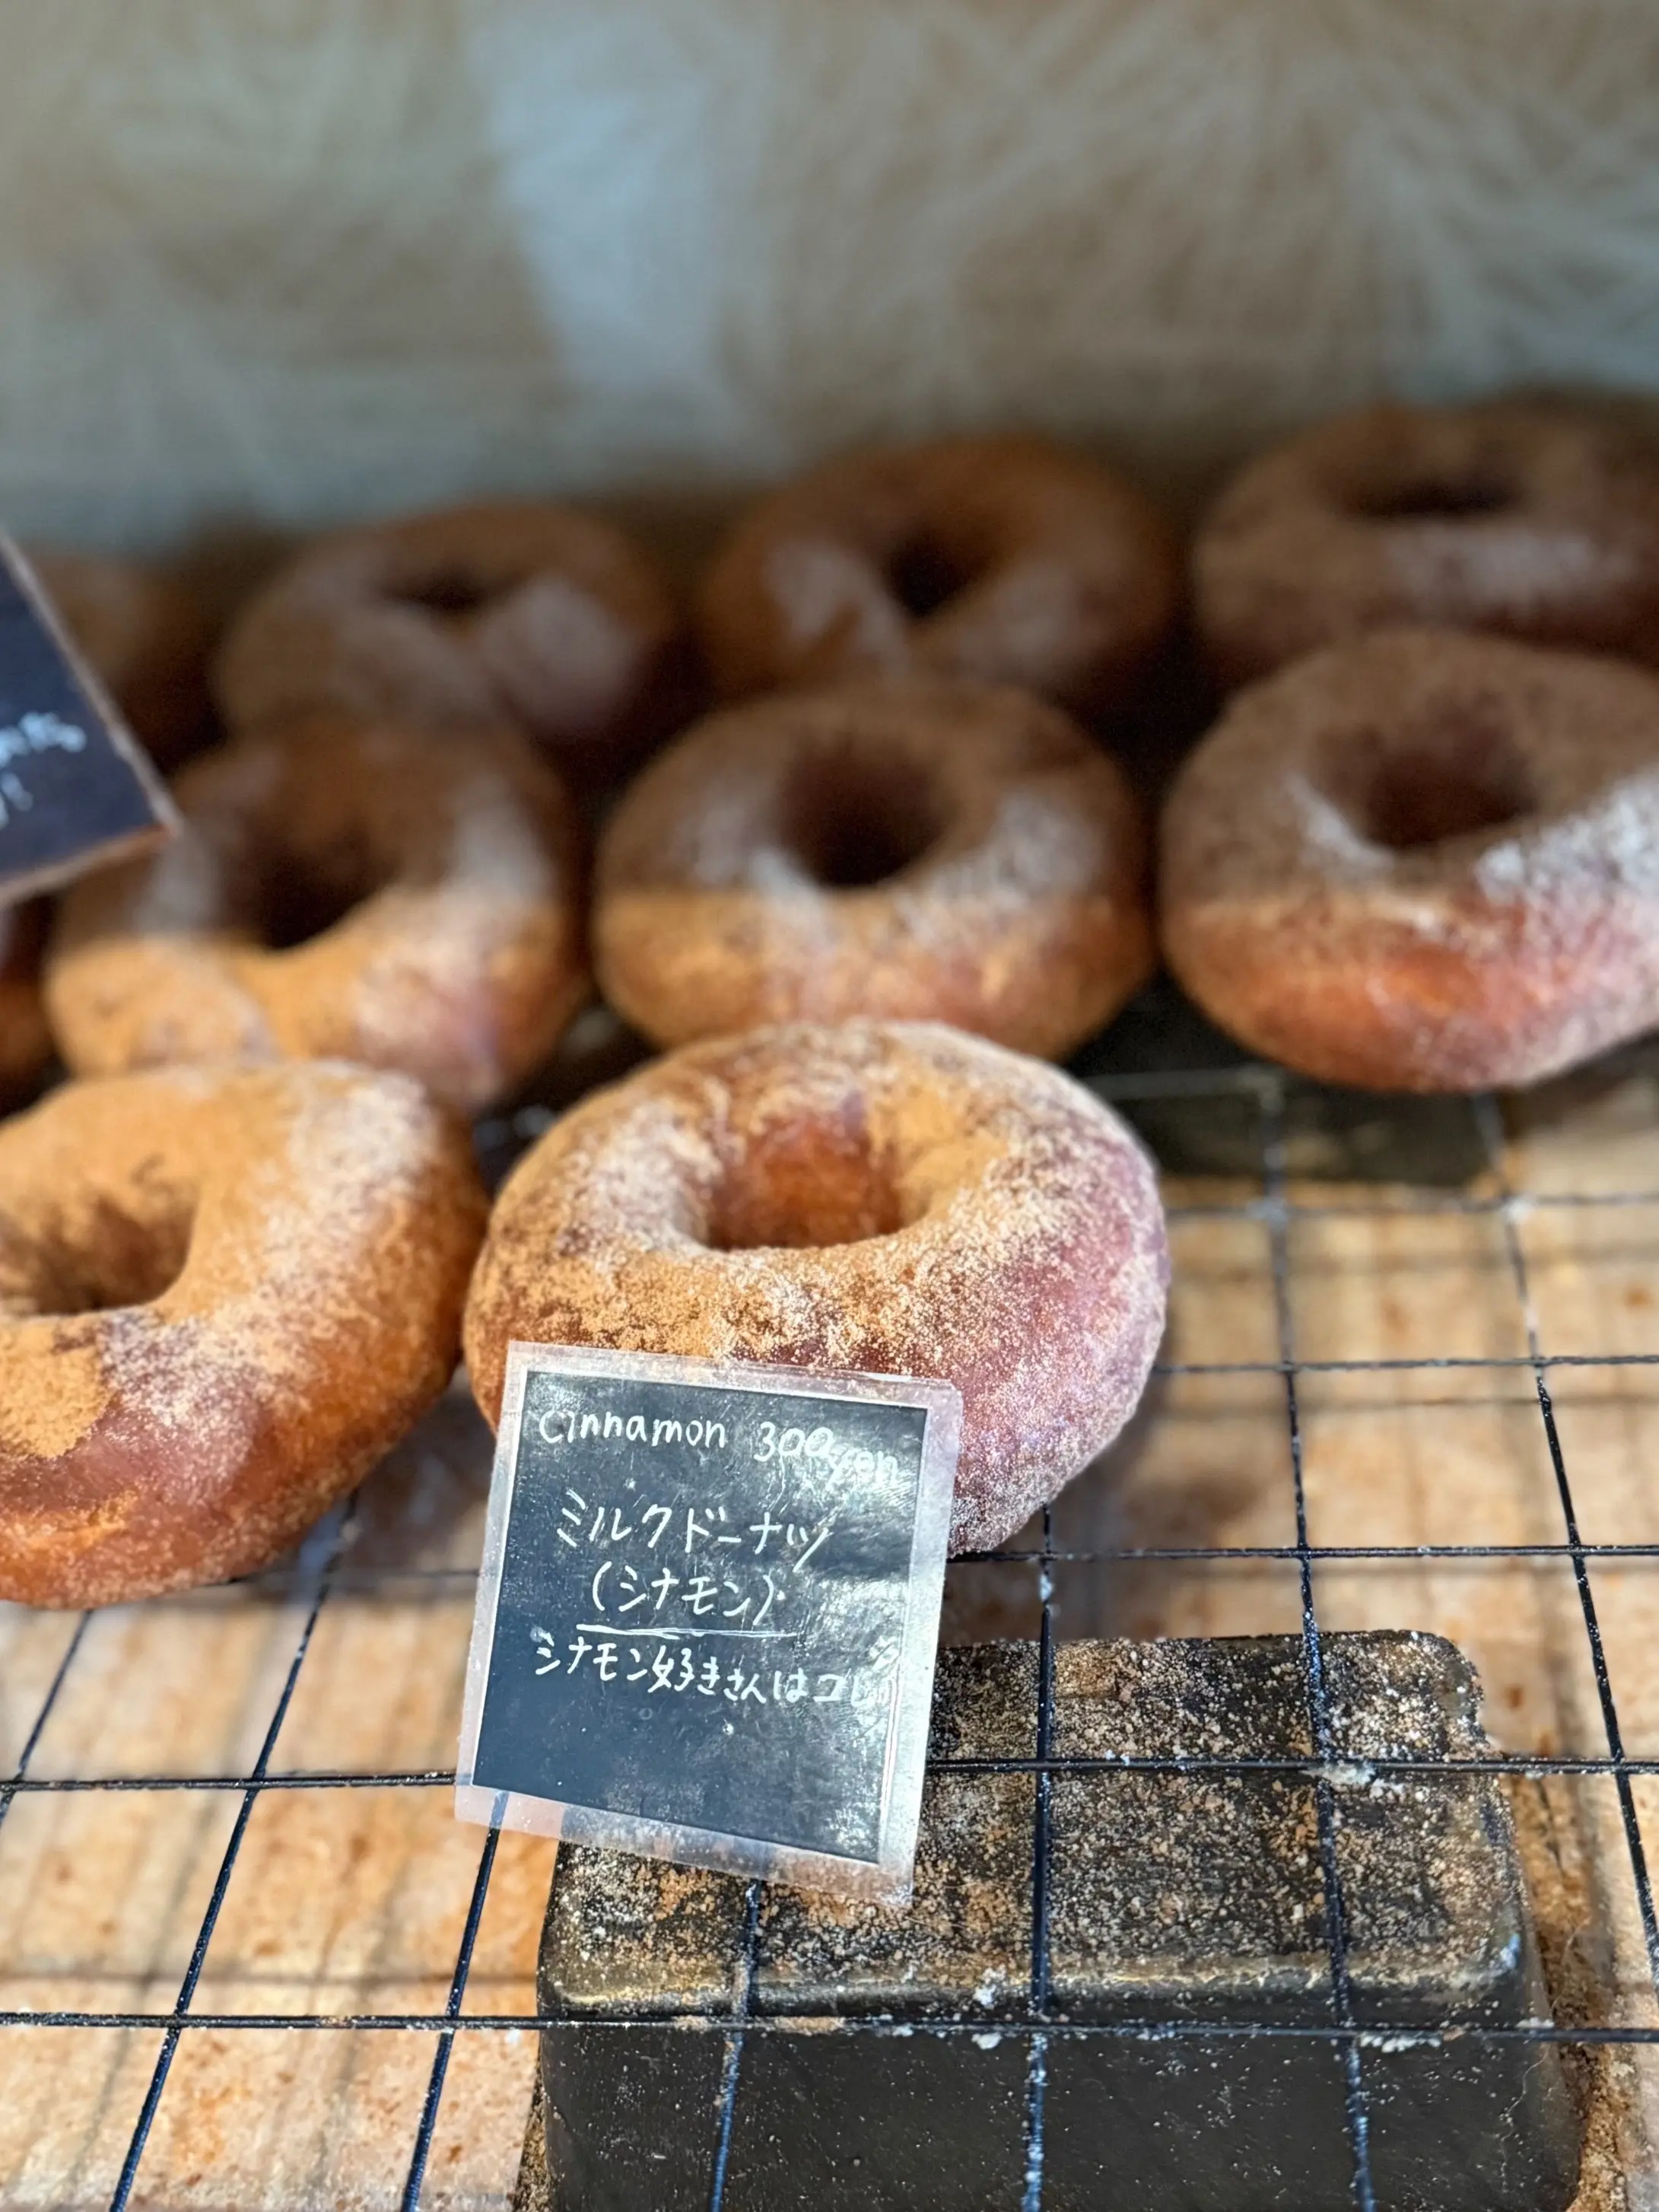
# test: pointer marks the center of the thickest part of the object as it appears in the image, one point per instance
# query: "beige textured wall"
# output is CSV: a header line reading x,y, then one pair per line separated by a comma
x,y
283,261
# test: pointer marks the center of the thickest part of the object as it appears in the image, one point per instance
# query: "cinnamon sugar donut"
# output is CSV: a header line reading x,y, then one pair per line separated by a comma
x,y
888,1197
913,849
25,1041
1424,861
345,890
1528,519
533,615
146,638
224,1293
1004,559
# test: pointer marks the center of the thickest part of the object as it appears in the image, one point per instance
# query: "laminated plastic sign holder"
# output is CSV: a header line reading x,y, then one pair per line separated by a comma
x,y
708,1612
76,788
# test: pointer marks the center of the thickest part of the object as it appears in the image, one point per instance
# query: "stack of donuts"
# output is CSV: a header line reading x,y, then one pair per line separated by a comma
x,y
240,1249
843,835
1420,850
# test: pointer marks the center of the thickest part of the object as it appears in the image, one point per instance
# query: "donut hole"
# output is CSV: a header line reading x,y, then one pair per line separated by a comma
x,y
1458,780
924,575
1438,495
302,900
113,1261
799,1196
447,591
853,821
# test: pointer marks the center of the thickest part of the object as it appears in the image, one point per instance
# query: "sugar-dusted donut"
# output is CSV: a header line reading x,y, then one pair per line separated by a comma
x,y
1533,520
146,637
1422,861
911,848
538,615
342,889
890,1197
224,1293
1004,559
25,1041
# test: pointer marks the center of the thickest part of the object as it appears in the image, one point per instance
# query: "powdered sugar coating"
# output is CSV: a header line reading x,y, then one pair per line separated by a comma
x,y
1051,572
1531,519
458,957
886,1197
1497,956
223,1295
1024,918
535,615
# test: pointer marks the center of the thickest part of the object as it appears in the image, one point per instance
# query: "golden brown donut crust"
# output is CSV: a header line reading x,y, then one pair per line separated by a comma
x,y
346,889
893,1198
1006,560
146,637
732,884
223,1295
1422,862
535,615
1531,520
24,1040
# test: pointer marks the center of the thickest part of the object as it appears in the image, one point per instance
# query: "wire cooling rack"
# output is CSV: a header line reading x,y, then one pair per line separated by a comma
x,y
1082,1563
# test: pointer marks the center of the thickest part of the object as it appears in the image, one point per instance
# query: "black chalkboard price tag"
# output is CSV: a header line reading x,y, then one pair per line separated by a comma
x,y
709,1611
76,789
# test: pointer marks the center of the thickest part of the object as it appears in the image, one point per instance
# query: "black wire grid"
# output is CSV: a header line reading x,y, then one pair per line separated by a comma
x,y
1266,1091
